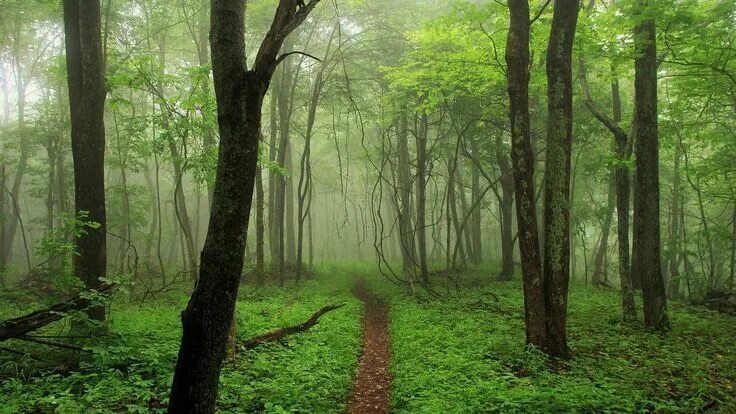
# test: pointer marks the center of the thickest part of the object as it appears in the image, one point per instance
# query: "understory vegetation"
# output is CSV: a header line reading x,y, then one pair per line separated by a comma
x,y
130,369
461,354
469,357
367,206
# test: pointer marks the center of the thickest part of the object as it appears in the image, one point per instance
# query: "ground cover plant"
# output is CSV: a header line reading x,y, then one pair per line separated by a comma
x,y
130,370
367,206
467,355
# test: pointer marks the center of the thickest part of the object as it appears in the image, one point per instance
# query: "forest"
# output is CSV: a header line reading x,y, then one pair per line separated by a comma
x,y
367,206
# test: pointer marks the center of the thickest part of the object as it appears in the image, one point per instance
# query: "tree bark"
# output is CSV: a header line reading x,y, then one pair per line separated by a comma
x,y
406,229
260,230
673,243
522,156
239,92
623,145
421,142
557,174
85,76
646,184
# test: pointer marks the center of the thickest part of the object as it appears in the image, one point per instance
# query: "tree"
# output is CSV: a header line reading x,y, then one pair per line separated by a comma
x,y
557,174
646,184
85,76
522,157
239,91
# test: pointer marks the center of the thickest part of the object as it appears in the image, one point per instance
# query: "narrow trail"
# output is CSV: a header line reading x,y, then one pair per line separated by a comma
x,y
371,389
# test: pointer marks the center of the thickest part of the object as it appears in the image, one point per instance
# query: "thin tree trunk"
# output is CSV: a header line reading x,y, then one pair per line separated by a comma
x,y
673,244
599,269
406,229
260,260
421,142
475,190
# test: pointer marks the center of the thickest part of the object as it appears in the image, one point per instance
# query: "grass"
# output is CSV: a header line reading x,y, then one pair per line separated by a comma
x,y
462,354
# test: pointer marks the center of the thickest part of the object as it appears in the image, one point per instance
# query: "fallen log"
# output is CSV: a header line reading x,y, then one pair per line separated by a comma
x,y
20,326
289,330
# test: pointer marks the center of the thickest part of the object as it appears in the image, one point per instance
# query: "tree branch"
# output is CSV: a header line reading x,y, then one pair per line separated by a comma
x,y
296,52
283,332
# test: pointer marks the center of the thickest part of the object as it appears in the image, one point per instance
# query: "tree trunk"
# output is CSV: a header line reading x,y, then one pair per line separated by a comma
x,y
476,219
85,75
421,142
260,260
646,184
599,269
522,156
10,224
557,174
623,143
239,92
406,229
506,207
673,244
203,55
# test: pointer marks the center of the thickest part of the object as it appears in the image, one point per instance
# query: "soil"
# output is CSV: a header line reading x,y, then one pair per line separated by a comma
x,y
372,387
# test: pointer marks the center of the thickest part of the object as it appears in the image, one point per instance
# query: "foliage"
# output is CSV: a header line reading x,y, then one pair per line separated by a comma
x,y
130,369
467,355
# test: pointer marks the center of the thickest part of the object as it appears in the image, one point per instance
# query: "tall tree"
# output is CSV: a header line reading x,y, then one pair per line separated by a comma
x,y
85,76
522,157
557,174
239,91
646,183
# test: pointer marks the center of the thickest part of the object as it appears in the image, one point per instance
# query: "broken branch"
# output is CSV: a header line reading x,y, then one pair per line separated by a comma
x,y
289,330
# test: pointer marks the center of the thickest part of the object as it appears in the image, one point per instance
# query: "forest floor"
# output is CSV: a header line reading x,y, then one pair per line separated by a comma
x,y
463,353
371,392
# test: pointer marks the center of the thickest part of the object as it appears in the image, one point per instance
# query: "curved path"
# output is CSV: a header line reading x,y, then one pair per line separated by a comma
x,y
371,391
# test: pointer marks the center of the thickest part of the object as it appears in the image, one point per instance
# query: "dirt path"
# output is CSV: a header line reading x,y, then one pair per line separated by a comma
x,y
371,390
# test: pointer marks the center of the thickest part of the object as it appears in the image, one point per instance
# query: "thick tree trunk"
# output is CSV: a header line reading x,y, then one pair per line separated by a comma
x,y
557,174
522,156
239,92
85,75
646,185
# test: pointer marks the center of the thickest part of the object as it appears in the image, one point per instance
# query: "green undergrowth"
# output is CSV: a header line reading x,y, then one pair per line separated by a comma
x,y
466,354
131,369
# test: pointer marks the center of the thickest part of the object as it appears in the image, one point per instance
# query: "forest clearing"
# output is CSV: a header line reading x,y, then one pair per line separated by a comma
x,y
367,206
